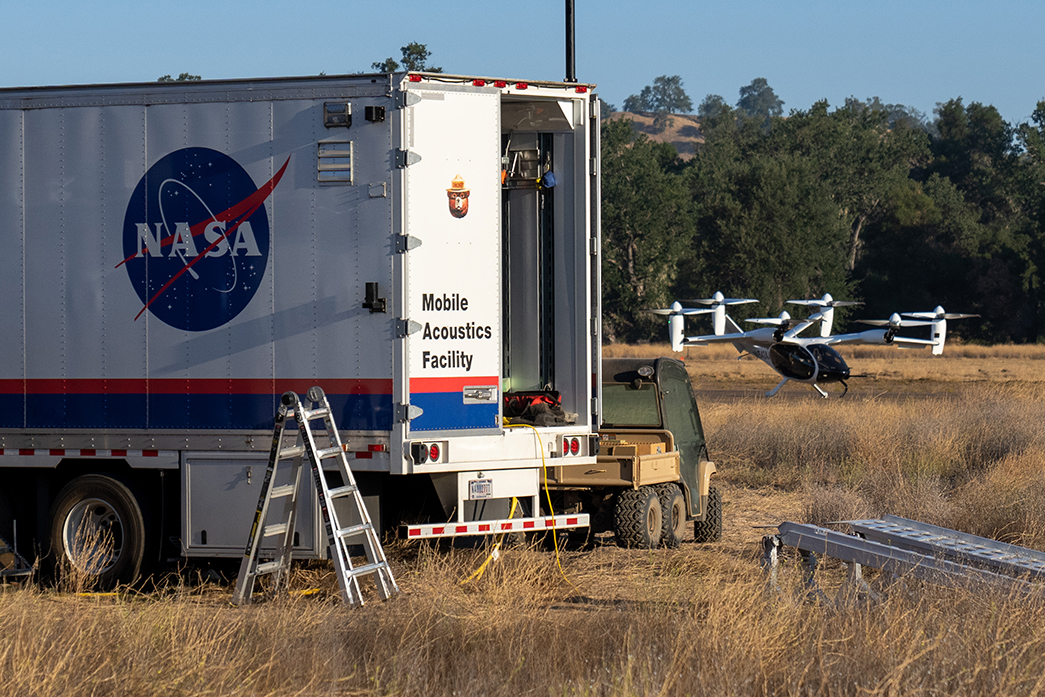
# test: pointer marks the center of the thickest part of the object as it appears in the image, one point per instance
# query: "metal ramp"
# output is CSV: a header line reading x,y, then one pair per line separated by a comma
x,y
907,548
951,544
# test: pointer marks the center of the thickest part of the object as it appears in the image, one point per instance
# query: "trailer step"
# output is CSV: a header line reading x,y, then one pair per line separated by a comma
x,y
347,574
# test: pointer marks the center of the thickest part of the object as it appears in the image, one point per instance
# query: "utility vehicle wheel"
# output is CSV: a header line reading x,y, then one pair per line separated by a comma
x,y
636,518
710,529
672,514
98,528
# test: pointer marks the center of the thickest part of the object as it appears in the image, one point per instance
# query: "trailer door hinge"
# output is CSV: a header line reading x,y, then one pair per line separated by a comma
x,y
404,243
406,327
594,244
406,412
594,163
405,158
405,98
594,327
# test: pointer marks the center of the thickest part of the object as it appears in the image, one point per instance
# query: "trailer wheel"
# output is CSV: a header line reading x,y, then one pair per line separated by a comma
x,y
636,518
672,515
710,529
98,528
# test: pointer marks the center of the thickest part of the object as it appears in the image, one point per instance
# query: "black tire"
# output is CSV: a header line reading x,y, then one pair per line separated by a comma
x,y
710,529
95,505
636,518
672,515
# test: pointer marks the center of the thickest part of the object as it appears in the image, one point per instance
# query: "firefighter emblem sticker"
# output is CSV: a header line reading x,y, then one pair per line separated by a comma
x,y
458,196
196,238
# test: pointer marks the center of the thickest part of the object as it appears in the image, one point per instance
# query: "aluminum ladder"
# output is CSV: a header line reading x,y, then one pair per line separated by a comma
x,y
337,534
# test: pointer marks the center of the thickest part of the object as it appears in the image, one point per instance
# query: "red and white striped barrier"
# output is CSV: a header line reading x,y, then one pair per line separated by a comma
x,y
493,527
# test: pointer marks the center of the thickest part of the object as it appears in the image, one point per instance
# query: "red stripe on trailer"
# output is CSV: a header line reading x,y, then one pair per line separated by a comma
x,y
364,455
57,452
26,451
150,453
506,526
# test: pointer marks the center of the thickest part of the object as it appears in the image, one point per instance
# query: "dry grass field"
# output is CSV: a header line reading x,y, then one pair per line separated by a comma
x,y
955,440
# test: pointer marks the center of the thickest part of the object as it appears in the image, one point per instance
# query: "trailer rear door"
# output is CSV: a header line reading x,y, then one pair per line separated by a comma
x,y
453,280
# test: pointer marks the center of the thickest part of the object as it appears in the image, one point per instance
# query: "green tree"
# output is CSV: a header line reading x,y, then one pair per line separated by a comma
x,y
857,155
183,77
414,59
712,107
646,230
665,95
759,101
767,227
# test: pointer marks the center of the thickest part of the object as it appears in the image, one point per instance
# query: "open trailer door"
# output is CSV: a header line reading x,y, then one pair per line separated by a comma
x,y
452,293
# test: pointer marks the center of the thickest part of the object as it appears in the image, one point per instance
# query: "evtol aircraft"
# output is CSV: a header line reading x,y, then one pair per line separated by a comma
x,y
811,359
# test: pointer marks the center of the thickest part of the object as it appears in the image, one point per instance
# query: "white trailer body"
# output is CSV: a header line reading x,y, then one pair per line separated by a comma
x,y
176,256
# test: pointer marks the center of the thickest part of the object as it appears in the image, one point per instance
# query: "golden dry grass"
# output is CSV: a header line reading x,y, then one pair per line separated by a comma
x,y
692,621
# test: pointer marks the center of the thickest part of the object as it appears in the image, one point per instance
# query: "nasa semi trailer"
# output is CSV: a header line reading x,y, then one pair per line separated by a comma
x,y
176,256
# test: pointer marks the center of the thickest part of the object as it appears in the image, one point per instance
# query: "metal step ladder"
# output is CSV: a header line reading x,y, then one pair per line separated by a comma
x,y
337,534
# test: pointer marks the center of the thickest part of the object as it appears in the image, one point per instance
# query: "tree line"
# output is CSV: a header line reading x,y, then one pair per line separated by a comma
x,y
868,201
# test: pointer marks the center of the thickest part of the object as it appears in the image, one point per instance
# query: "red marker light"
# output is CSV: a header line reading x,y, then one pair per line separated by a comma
x,y
500,83
415,78
582,89
479,83
575,446
433,452
521,86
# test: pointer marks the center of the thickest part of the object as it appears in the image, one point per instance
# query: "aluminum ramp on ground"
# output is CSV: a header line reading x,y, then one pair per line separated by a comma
x,y
894,560
950,544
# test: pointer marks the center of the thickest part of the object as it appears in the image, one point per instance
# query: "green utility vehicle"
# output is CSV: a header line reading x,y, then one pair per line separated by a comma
x,y
652,474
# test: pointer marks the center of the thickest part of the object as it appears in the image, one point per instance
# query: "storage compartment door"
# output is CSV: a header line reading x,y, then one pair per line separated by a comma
x,y
453,279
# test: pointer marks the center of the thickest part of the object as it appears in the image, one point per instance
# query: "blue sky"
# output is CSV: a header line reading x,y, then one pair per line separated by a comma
x,y
914,52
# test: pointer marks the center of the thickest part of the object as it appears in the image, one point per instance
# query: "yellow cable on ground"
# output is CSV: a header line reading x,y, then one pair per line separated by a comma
x,y
495,553
548,495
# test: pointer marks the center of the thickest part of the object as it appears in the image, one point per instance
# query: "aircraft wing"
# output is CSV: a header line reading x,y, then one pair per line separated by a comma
x,y
717,338
877,336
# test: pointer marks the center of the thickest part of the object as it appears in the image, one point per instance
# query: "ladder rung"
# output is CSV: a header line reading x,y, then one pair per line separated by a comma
x,y
268,567
292,451
324,453
353,529
312,414
367,569
281,491
274,529
341,491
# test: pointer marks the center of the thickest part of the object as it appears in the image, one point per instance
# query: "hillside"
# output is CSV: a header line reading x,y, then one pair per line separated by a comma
x,y
684,132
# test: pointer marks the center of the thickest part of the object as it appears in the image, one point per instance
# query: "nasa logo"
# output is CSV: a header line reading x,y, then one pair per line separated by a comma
x,y
196,238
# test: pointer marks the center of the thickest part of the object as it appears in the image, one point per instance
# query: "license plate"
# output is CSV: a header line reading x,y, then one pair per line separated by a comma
x,y
480,489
